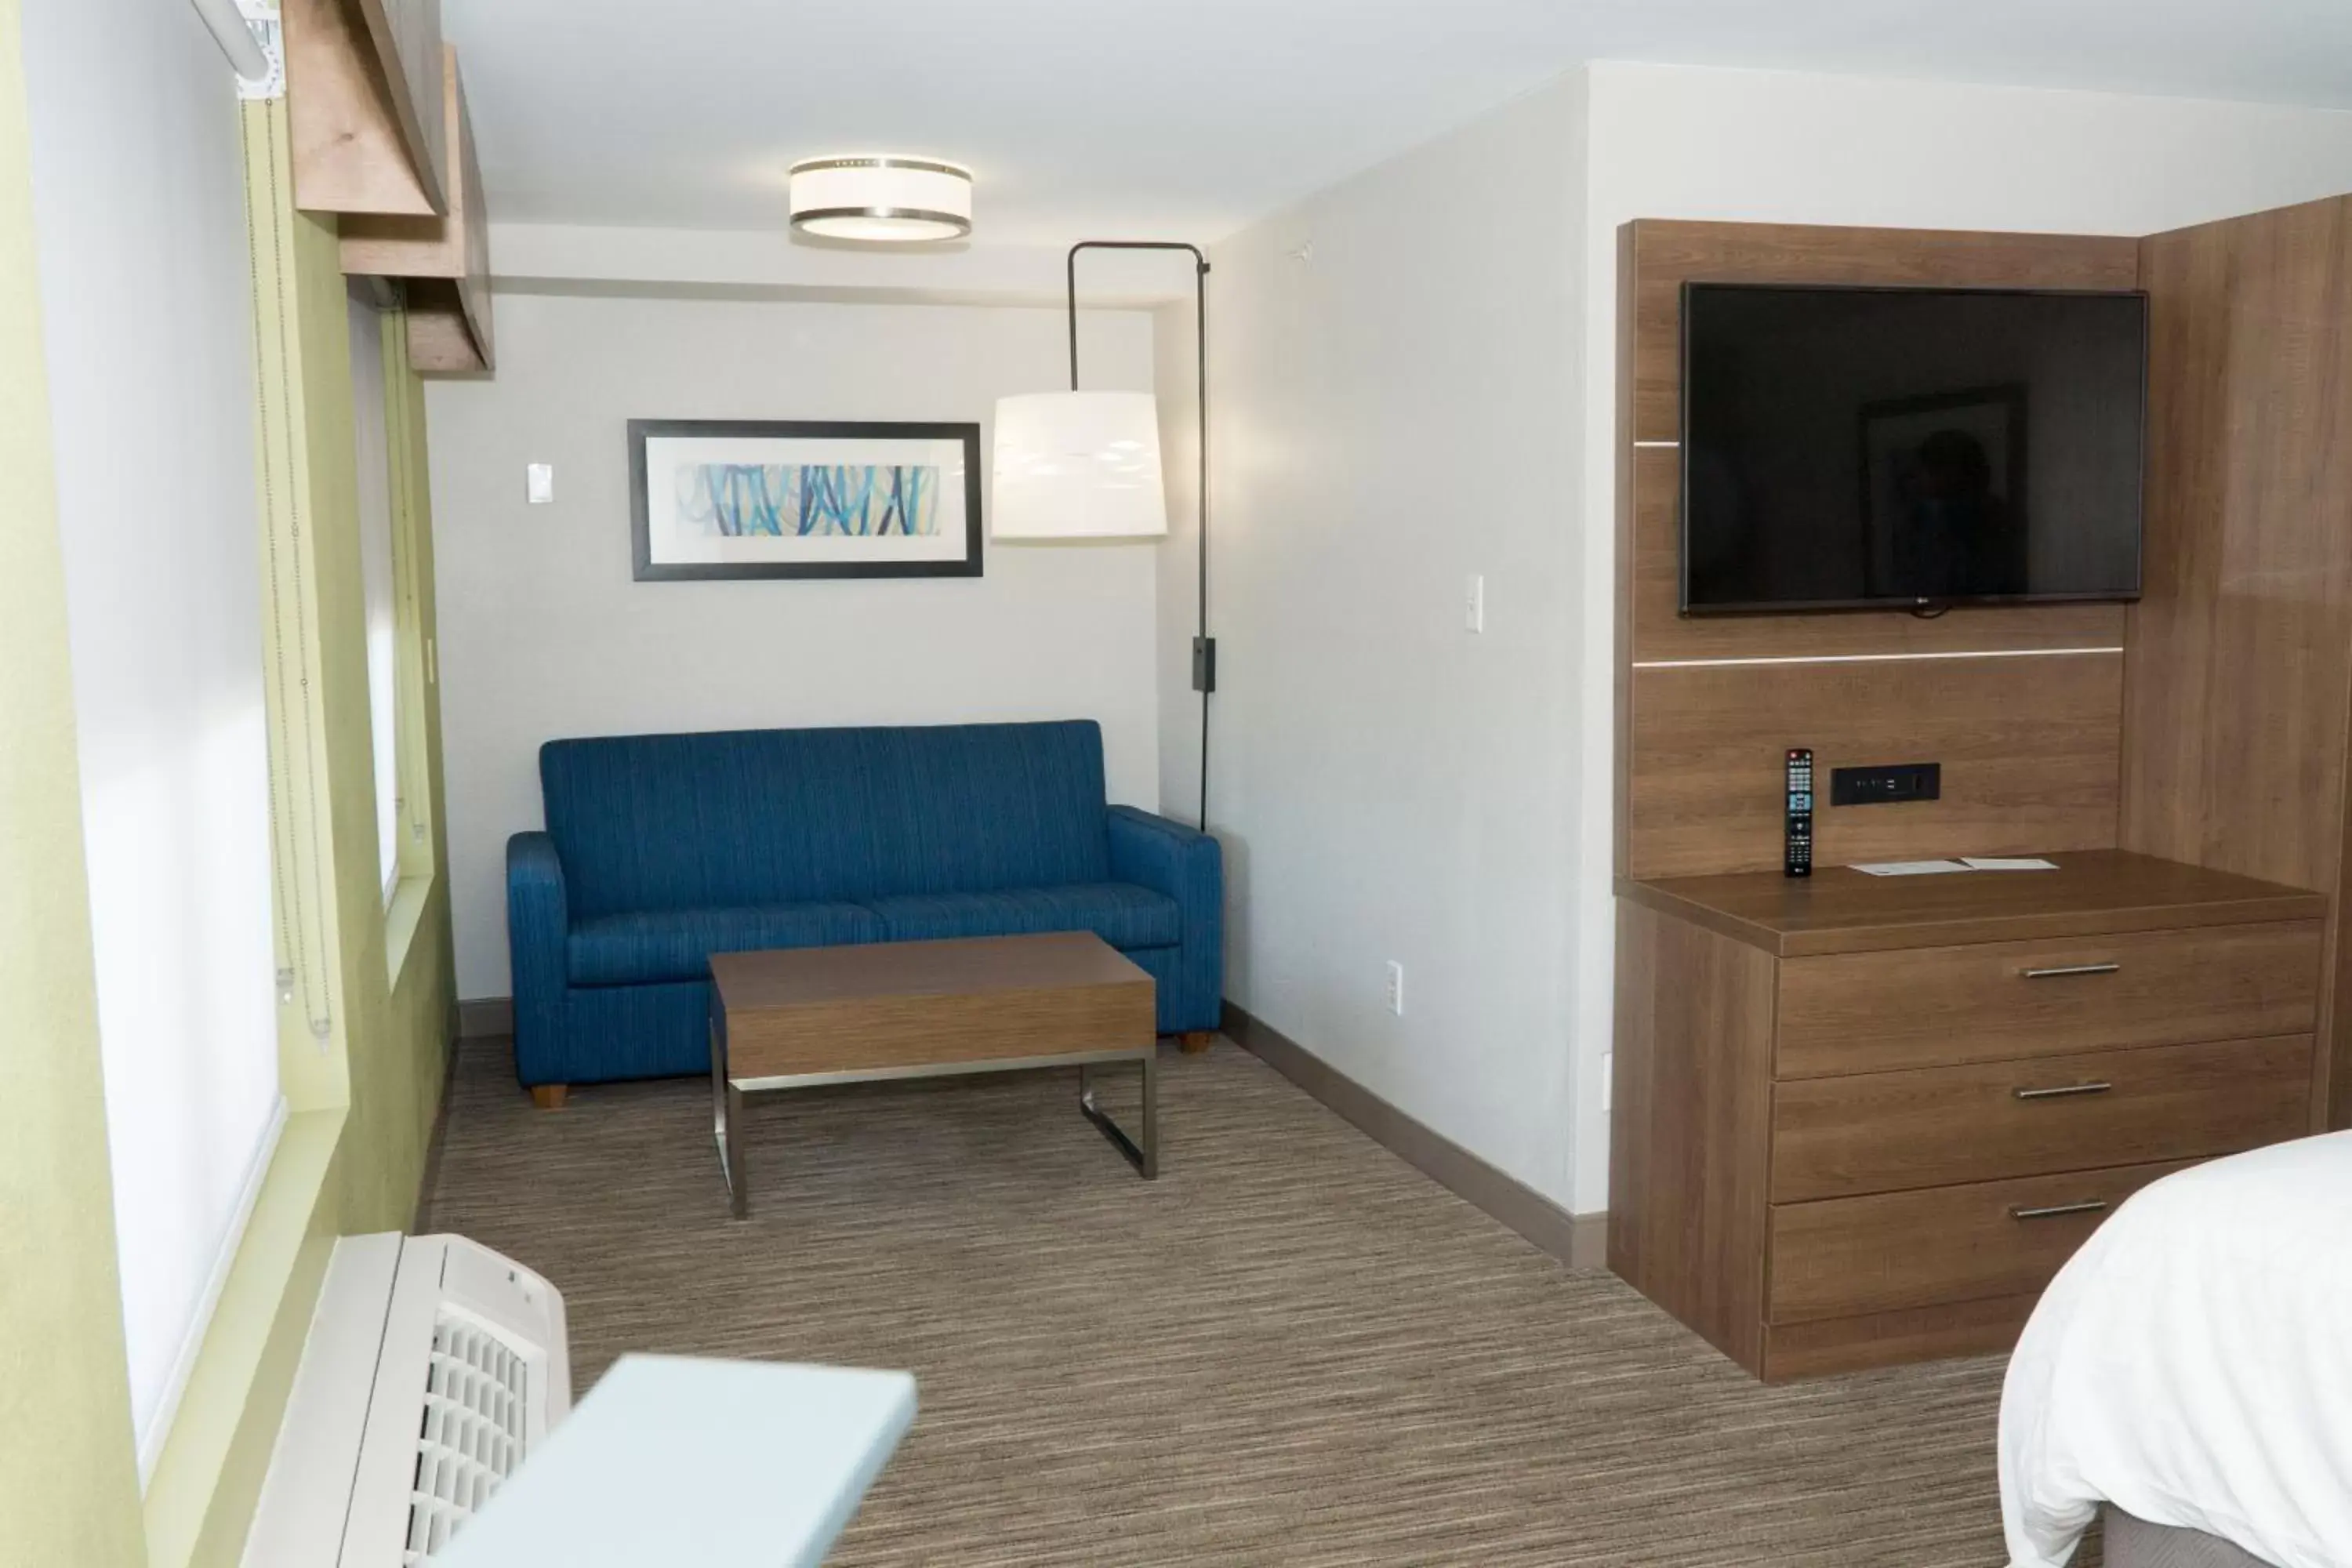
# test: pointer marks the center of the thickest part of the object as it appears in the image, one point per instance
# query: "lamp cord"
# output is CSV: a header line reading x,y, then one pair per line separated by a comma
x,y
1201,359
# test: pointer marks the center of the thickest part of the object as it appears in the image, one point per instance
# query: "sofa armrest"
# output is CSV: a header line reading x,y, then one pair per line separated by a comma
x,y
538,921
1161,854
1187,866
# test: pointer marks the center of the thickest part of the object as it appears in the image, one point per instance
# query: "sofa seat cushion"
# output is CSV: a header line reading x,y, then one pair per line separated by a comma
x,y
1121,913
656,945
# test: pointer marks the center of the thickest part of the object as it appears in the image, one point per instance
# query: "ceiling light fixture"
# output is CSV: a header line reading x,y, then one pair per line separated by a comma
x,y
881,198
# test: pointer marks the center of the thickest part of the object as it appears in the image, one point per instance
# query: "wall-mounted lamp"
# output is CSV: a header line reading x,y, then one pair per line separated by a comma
x,y
1086,465
1078,465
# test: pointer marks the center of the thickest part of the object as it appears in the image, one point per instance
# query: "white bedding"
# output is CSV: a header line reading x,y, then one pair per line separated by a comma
x,y
2192,1364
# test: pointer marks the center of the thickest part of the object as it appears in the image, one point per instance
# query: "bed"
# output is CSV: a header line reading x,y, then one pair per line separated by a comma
x,y
2190,1371
2132,1542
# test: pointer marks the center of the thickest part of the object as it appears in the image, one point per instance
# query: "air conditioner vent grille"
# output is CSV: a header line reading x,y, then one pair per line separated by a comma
x,y
473,1433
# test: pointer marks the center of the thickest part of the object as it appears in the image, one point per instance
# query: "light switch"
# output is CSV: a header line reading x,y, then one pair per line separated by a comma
x,y
538,483
1473,604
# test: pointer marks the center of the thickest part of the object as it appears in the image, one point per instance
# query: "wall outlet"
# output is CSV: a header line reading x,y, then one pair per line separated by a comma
x,y
538,483
1474,604
1395,990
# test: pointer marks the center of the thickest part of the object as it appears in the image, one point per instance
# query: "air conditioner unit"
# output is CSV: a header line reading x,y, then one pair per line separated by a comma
x,y
433,1369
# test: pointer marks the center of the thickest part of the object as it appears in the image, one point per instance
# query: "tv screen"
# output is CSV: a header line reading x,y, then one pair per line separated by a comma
x,y
1868,448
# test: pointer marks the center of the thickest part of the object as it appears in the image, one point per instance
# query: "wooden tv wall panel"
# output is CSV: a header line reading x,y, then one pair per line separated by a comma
x,y
2238,734
2030,741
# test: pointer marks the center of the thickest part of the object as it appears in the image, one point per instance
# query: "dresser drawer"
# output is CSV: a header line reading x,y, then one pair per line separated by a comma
x,y
1871,1012
1843,1257
1928,1127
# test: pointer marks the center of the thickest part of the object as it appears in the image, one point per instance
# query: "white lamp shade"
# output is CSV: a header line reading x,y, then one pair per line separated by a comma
x,y
1078,465
881,198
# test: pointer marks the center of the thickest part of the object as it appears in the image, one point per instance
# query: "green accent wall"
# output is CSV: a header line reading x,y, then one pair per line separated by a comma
x,y
362,1100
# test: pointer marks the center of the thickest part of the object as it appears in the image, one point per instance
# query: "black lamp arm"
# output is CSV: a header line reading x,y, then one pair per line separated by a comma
x,y
1204,646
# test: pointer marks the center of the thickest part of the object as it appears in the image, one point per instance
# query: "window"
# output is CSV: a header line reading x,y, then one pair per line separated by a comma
x,y
385,447
372,446
139,199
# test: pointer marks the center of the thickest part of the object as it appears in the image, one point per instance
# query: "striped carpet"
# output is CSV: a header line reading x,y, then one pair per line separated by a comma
x,y
1291,1349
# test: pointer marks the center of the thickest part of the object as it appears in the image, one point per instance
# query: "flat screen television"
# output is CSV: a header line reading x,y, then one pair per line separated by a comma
x,y
1868,448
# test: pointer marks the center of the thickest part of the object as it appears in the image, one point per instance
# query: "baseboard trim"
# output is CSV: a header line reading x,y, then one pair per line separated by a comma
x,y
1579,1240
486,1019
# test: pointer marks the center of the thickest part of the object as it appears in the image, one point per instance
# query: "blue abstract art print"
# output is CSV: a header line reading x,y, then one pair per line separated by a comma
x,y
750,498
736,500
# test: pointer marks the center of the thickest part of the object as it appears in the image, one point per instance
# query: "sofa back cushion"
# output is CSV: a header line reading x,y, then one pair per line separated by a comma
x,y
769,816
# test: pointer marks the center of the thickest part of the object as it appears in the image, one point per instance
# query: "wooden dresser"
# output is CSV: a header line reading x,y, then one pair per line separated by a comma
x,y
1858,1119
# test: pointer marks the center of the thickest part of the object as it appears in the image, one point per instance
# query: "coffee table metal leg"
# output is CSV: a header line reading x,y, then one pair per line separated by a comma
x,y
727,1118
739,1180
1150,1166
1145,1158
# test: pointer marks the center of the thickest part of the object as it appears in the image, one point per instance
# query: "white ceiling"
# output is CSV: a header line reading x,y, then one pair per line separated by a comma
x,y
1192,117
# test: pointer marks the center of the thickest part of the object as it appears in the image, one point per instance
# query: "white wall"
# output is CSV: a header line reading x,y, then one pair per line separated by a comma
x,y
1430,393
544,634
138,192
1764,146
1393,411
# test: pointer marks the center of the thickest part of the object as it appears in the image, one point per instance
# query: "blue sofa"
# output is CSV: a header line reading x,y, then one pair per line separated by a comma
x,y
661,850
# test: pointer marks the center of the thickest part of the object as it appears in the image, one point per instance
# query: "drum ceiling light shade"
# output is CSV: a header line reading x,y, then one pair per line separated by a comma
x,y
1078,465
883,197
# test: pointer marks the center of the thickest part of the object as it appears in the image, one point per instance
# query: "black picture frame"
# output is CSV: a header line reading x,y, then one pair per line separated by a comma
x,y
647,570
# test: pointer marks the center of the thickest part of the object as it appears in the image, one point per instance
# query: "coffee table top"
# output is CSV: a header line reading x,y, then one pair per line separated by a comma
x,y
962,966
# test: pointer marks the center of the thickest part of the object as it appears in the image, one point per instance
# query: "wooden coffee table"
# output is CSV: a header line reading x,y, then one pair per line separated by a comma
x,y
796,1017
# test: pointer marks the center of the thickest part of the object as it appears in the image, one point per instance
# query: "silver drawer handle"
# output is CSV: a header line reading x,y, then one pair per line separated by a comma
x,y
2065,969
2061,1091
2054,1210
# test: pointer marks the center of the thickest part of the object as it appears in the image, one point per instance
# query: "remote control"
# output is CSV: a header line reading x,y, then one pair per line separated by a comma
x,y
1800,860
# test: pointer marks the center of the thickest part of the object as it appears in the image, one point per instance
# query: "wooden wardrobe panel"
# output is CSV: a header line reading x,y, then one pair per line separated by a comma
x,y
1689,1155
2240,663
2027,744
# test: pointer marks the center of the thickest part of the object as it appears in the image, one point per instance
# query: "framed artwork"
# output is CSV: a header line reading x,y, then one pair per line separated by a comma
x,y
731,498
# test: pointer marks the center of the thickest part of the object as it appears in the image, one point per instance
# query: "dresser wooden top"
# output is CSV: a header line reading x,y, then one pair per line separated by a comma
x,y
1839,910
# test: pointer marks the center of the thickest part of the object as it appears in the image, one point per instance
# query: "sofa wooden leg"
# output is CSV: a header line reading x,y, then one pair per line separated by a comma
x,y
1198,1040
548,1096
